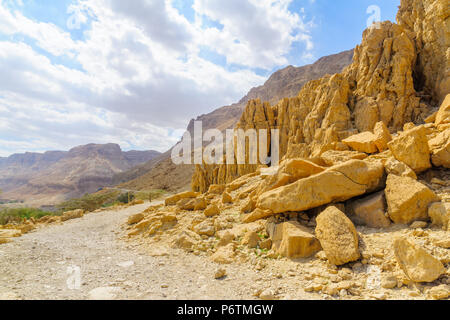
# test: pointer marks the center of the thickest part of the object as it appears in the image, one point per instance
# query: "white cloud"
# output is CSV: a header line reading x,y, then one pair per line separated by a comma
x,y
256,33
142,75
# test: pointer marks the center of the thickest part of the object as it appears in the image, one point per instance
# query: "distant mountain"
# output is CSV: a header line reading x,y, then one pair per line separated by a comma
x,y
162,173
50,177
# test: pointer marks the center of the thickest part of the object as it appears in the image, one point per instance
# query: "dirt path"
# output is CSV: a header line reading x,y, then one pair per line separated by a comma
x,y
36,266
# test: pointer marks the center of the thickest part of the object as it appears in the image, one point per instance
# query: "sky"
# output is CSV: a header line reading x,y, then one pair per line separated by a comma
x,y
74,72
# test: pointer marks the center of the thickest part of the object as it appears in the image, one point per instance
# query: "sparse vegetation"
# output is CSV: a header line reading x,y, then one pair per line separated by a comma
x,y
150,194
91,202
10,215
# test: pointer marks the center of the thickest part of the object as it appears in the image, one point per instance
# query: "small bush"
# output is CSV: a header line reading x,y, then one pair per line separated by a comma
x,y
126,197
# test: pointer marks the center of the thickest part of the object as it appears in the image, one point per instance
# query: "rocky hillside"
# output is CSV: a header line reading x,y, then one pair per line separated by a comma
x,y
359,206
398,75
162,173
56,175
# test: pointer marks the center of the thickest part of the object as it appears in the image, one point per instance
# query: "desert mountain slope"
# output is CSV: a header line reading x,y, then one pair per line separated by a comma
x,y
54,176
287,82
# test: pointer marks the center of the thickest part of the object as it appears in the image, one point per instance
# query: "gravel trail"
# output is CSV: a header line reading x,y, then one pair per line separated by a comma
x,y
43,265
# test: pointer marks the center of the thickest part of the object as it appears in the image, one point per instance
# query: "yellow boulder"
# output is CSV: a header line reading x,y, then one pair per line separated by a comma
x,y
407,199
338,183
411,147
418,264
439,213
292,240
338,236
440,149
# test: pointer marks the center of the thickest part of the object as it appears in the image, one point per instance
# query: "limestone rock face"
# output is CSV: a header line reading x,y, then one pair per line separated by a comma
x,y
411,147
418,265
339,183
292,240
382,69
428,21
338,236
407,199
370,211
439,213
440,149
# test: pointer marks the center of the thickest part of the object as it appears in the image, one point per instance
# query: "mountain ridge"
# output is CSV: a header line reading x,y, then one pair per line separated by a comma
x,y
52,176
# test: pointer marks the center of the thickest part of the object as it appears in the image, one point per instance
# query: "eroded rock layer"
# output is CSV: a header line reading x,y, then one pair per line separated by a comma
x,y
399,75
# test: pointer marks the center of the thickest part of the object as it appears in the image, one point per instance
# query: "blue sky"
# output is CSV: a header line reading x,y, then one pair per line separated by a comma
x,y
135,72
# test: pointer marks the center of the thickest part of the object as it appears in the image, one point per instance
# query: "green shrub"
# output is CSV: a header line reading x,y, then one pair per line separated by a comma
x,y
126,197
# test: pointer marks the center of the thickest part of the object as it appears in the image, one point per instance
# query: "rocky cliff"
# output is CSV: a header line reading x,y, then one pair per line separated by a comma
x,y
162,173
54,176
398,75
359,206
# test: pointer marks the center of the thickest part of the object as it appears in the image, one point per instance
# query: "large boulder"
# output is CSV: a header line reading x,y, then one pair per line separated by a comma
x,y
407,199
418,264
370,211
362,142
338,236
292,240
338,183
440,149
411,147
290,171
439,213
